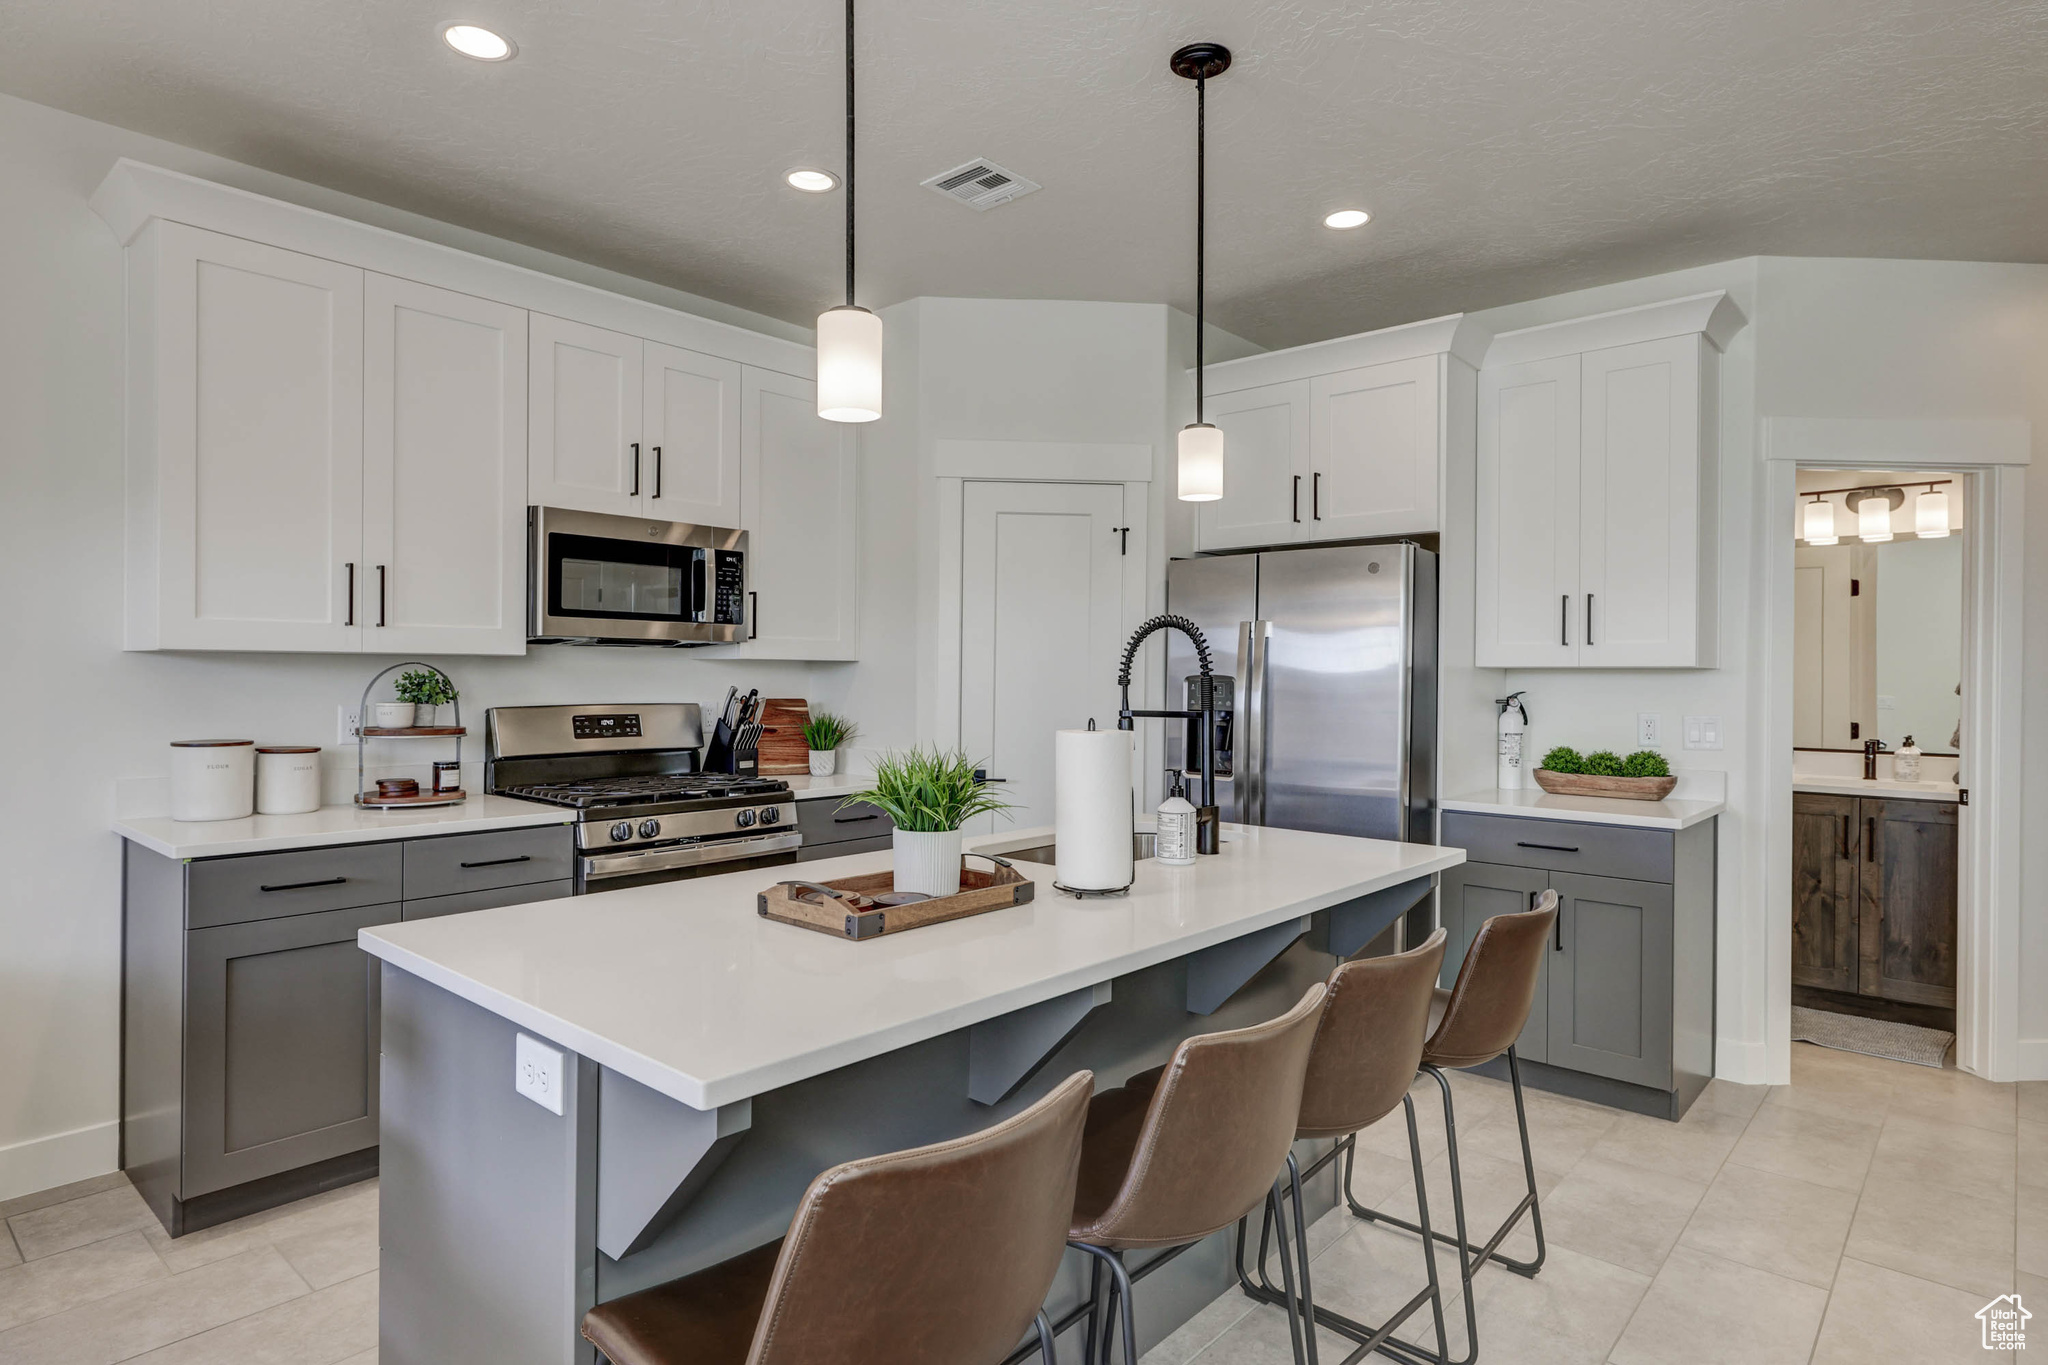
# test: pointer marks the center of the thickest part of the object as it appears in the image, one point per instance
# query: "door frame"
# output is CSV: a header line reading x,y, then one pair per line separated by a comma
x,y
960,462
1990,456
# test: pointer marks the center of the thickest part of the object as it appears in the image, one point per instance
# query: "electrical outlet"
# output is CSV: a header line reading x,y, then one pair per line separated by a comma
x,y
537,1073
1702,732
344,725
1649,729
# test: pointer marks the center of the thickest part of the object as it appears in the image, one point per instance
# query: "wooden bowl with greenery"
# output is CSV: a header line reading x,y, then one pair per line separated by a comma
x,y
1642,776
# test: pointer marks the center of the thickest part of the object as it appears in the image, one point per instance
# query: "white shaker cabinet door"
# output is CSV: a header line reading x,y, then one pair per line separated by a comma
x,y
444,471
1265,468
1528,518
1640,497
249,377
690,436
800,495
583,439
1373,450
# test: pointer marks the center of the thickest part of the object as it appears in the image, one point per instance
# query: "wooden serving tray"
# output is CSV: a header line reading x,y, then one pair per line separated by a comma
x,y
1586,784
980,892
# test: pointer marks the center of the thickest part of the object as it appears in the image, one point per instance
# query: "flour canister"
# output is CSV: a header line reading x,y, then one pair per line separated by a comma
x,y
212,779
287,779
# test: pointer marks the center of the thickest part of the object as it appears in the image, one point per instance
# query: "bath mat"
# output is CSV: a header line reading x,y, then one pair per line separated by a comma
x,y
1871,1037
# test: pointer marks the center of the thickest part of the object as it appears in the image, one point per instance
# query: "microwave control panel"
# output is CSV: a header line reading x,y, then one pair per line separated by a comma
x,y
729,588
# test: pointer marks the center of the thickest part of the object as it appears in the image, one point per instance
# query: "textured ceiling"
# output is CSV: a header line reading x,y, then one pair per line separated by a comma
x,y
1507,148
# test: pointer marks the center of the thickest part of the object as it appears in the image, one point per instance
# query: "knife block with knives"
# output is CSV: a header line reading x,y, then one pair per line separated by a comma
x,y
736,739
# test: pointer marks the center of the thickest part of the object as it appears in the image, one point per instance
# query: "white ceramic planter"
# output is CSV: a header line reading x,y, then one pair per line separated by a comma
x,y
391,715
824,762
928,862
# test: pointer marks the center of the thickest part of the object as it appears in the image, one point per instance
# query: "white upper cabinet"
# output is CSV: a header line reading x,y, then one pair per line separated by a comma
x,y
1597,481
801,482
245,502
444,471
1342,440
584,440
691,435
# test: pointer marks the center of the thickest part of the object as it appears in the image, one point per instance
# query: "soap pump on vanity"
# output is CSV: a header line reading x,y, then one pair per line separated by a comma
x,y
1906,762
1176,846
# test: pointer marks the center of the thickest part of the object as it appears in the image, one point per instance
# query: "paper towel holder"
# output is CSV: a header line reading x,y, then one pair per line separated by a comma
x,y
1208,819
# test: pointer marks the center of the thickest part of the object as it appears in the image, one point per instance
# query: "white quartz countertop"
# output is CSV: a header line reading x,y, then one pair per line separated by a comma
x,y
684,988
333,825
1825,785
840,785
1533,802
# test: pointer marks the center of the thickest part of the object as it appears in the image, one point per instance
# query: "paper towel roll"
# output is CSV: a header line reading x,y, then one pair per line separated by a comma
x,y
1092,809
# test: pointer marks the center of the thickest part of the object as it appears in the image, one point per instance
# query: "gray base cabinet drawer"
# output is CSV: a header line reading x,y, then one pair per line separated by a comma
x,y
482,862
1561,846
463,902
823,822
270,885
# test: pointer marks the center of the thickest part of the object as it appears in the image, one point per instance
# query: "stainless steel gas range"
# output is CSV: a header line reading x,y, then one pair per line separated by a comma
x,y
645,812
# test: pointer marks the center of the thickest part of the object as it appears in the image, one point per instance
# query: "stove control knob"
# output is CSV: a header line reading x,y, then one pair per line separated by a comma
x,y
771,815
744,818
650,829
622,831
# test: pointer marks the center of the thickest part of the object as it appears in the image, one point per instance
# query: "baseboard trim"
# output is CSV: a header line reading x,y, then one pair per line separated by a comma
x,y
1742,1063
44,1163
2030,1059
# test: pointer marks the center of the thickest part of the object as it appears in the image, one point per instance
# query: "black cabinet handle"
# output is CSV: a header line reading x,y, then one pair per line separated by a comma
x,y
853,819
1870,839
501,862
657,471
1560,930
636,470
380,596
1589,618
1845,838
1297,498
1564,619
1315,496
351,567
1548,848
753,616
301,886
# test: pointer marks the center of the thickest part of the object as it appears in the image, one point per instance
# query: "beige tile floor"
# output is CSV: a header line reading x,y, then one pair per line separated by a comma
x,y
1863,1213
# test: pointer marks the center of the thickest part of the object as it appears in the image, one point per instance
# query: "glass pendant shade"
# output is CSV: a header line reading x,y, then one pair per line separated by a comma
x,y
1930,515
849,365
1820,523
1201,463
1874,519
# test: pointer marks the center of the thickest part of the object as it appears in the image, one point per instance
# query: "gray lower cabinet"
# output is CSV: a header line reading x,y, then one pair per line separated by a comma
x,y
1624,1007
830,832
250,1030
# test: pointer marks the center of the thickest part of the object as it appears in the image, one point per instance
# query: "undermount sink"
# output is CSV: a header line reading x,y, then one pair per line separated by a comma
x,y
1143,846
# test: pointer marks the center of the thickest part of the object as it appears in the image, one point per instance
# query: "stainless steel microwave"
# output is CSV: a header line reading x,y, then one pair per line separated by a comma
x,y
597,579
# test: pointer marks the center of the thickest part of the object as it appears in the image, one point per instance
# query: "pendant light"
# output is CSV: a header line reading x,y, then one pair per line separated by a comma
x,y
1930,514
1201,445
849,336
1820,523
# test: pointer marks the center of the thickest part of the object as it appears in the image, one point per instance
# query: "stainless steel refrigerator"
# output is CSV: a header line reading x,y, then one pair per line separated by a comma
x,y
1326,665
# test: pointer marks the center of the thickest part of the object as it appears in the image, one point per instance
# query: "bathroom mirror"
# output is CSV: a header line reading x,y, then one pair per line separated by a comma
x,y
1878,639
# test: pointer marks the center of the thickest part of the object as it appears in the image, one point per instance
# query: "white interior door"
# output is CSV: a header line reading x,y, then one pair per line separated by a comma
x,y
444,471
692,436
584,439
1834,696
1528,534
1042,625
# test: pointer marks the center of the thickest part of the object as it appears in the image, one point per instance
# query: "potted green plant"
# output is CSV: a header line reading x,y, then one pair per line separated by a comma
x,y
823,734
1642,776
426,691
928,794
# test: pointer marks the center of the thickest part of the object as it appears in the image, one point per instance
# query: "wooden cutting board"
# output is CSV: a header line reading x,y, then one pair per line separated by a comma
x,y
783,751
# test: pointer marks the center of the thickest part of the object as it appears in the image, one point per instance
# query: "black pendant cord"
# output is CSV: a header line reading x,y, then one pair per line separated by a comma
x,y
1201,227
849,153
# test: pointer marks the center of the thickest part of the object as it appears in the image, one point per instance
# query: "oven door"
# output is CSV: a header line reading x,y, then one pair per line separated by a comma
x,y
675,862
598,579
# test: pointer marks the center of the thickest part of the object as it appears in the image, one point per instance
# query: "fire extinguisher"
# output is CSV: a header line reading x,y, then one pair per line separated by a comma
x,y
1514,727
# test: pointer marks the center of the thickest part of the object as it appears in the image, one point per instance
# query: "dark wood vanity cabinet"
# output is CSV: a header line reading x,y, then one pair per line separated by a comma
x,y
1874,897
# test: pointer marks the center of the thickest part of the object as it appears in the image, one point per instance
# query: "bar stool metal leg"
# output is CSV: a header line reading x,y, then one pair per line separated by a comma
x,y
1048,1344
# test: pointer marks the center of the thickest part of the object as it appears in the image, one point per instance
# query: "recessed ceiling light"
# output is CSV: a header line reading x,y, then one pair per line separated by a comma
x,y
479,43
810,181
1347,218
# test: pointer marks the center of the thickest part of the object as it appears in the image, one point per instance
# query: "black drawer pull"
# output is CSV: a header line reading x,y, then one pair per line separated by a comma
x,y
1548,848
301,886
854,819
500,862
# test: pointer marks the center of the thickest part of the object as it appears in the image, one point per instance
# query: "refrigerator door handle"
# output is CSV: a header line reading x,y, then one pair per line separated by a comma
x,y
1250,777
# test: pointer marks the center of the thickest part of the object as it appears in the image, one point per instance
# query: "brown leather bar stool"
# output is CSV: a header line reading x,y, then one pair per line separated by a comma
x,y
1185,1150
1475,1021
1367,1049
939,1255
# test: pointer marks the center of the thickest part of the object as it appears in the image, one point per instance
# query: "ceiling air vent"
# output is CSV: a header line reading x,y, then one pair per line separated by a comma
x,y
981,185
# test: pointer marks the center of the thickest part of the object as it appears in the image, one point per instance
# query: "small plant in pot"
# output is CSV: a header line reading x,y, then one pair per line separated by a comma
x,y
1642,776
823,734
425,691
928,794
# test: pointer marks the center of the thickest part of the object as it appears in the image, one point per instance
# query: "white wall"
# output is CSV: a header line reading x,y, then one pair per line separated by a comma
x,y
1919,640
83,713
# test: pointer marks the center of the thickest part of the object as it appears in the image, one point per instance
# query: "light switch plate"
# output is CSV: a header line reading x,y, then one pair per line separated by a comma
x,y
1702,732
1649,730
537,1073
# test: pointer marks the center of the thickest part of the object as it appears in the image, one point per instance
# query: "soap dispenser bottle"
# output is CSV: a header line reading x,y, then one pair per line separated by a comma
x,y
1176,847
1906,762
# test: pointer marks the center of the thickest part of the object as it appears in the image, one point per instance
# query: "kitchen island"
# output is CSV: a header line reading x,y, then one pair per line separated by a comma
x,y
695,1065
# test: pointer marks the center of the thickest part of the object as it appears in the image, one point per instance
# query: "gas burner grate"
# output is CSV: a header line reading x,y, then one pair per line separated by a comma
x,y
625,790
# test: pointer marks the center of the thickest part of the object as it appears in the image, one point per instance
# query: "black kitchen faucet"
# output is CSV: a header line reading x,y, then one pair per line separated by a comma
x,y
1208,820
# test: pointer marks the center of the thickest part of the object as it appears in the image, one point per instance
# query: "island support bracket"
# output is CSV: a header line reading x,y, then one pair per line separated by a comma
x,y
653,1155
1355,923
1217,973
1006,1051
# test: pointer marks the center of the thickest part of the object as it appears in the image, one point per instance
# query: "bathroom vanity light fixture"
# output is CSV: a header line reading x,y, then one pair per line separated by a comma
x,y
479,43
1873,509
1930,514
811,181
849,336
1201,445
1347,218
1820,523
